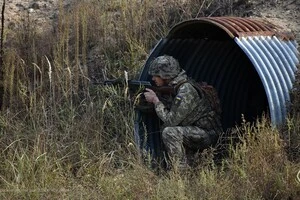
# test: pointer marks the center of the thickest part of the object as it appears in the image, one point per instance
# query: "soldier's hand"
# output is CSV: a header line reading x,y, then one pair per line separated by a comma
x,y
150,96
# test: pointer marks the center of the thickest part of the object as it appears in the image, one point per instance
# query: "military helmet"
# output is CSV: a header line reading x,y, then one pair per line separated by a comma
x,y
165,67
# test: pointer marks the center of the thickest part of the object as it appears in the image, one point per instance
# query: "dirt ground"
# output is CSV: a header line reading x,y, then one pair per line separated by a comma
x,y
283,13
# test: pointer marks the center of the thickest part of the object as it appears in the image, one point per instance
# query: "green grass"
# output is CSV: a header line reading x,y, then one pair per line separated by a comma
x,y
62,138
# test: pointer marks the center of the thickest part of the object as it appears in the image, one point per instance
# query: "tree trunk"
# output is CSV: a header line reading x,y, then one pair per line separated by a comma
x,y
2,54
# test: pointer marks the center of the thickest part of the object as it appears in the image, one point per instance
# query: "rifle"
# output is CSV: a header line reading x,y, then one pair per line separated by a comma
x,y
137,88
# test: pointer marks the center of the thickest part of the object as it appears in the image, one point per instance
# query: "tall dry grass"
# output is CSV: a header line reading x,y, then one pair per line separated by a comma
x,y
63,138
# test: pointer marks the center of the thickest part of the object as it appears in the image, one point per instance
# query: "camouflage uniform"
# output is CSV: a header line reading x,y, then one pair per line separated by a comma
x,y
190,123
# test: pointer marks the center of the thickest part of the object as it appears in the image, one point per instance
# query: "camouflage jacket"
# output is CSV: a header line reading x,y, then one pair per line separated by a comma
x,y
187,108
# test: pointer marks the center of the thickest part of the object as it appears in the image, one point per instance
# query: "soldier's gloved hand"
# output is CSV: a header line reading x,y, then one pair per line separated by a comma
x,y
151,96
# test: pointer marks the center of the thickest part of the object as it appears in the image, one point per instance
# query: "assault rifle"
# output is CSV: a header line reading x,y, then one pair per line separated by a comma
x,y
137,88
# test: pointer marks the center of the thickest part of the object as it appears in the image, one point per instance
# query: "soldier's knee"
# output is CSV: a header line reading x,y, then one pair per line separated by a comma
x,y
167,133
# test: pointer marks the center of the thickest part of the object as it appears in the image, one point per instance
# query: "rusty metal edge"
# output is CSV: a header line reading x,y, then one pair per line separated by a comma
x,y
240,27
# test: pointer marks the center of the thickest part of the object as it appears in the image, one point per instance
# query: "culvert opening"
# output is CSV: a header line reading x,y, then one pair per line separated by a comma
x,y
252,74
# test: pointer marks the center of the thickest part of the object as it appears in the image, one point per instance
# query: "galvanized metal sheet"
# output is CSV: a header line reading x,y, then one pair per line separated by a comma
x,y
273,59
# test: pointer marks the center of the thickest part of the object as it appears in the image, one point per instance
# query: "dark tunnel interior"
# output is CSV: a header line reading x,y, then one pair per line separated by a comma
x,y
225,66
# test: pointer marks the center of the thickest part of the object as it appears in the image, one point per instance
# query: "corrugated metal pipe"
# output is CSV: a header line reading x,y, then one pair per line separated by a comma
x,y
251,64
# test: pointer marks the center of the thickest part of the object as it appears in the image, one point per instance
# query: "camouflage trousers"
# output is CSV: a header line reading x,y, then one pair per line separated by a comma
x,y
179,139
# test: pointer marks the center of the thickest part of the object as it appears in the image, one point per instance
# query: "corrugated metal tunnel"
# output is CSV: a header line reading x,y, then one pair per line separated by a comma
x,y
251,64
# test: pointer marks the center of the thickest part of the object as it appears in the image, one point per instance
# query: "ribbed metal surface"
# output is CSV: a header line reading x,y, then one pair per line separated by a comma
x,y
237,27
275,62
251,65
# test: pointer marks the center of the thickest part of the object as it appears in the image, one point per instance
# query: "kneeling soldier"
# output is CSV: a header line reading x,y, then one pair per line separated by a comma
x,y
191,123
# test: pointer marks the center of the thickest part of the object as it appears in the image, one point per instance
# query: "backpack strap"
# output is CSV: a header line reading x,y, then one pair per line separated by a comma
x,y
193,83
176,87
204,90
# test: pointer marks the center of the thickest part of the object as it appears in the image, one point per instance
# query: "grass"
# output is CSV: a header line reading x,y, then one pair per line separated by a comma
x,y
63,138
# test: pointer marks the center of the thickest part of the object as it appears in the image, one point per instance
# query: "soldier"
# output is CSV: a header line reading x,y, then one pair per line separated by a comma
x,y
191,123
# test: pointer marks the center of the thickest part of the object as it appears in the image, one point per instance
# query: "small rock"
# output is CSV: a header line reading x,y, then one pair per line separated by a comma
x,y
35,6
30,10
53,16
19,5
117,15
11,25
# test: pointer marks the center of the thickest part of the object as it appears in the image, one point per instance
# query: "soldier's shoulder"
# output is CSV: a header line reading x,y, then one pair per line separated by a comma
x,y
187,87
